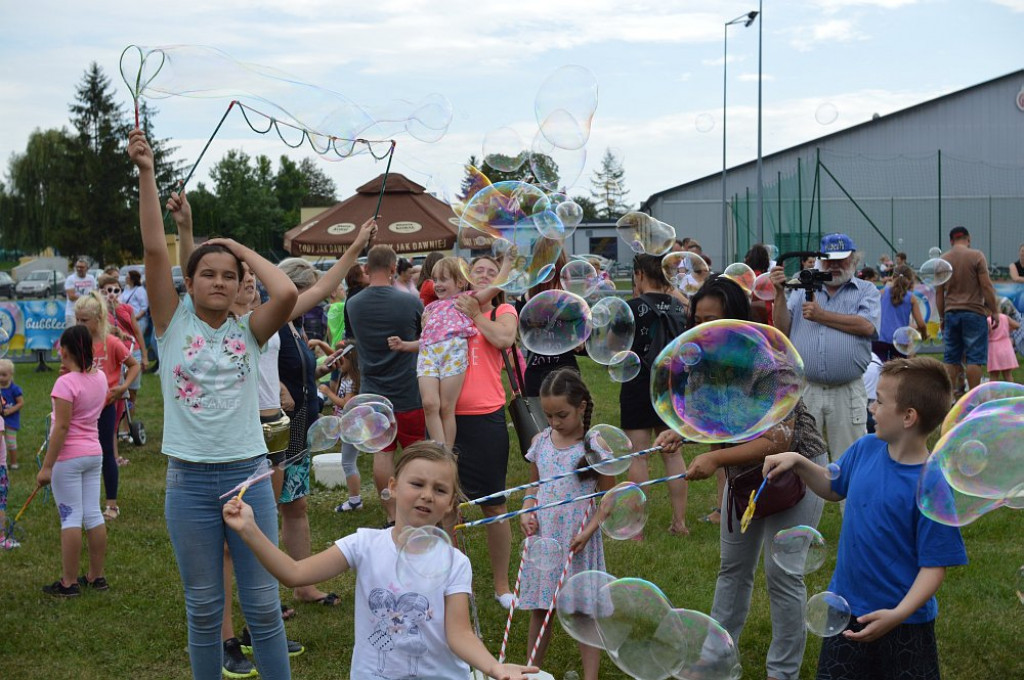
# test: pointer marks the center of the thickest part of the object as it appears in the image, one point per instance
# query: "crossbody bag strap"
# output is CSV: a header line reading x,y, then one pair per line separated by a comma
x,y
515,376
302,362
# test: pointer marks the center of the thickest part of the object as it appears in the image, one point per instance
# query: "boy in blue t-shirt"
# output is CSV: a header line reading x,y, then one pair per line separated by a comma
x,y
892,559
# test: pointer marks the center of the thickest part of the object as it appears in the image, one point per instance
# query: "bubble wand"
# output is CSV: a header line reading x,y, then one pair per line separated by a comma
x,y
380,196
264,471
524,511
515,601
529,485
748,514
9,532
558,588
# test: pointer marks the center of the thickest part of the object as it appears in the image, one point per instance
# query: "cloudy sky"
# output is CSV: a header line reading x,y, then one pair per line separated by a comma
x,y
659,66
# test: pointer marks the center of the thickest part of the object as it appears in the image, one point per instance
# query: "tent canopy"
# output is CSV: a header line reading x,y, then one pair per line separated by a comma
x,y
411,221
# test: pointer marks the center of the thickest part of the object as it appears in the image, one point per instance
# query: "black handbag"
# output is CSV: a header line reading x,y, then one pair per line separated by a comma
x,y
527,417
297,447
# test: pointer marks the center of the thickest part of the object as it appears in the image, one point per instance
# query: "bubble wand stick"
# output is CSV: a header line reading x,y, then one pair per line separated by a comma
x,y
558,588
529,485
515,601
748,514
9,532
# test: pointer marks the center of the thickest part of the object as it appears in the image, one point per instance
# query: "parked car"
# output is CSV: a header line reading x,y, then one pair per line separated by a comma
x,y
41,283
141,268
324,265
6,285
604,262
178,276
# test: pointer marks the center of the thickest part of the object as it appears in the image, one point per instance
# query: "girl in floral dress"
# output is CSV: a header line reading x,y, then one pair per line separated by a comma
x,y
568,406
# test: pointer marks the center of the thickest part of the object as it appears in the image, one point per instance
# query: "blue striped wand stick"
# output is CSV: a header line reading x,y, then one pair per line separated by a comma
x,y
562,475
555,504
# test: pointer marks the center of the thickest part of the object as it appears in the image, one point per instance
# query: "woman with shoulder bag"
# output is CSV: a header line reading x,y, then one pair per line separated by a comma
x,y
783,505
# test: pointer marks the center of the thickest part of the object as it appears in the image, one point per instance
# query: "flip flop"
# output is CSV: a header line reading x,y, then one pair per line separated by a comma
x,y
329,600
287,612
707,518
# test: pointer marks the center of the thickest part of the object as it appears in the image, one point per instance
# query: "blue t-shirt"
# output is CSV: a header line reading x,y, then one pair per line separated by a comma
x,y
885,540
290,371
10,395
894,317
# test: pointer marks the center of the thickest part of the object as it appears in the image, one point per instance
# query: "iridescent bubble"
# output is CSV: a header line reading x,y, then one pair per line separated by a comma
x,y
906,340
606,288
833,471
938,500
773,251
504,150
564,106
5,343
555,168
324,433
554,322
935,272
764,289
570,213
704,122
799,550
826,114
368,423
625,512
425,556
827,614
624,367
743,275
684,270
603,443
579,277
368,398
645,234
549,226
708,651
500,248
599,318
982,394
986,444
542,553
581,602
628,630
385,494
615,332
934,252
748,378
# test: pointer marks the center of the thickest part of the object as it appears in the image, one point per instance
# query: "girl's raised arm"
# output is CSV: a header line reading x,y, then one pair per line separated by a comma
x,y
163,298
333,277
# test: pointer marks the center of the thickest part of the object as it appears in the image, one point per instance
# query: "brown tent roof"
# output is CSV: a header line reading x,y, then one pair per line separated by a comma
x,y
411,221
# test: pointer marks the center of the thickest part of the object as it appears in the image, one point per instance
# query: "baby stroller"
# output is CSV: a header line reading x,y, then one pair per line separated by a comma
x,y
134,430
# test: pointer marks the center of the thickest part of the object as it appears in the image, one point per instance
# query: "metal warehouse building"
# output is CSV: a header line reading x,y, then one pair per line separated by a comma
x,y
898,182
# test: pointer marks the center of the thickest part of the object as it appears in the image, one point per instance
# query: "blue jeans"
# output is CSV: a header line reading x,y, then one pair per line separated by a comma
x,y
966,337
197,530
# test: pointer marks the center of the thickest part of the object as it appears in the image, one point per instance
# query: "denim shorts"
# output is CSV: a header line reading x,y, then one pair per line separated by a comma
x,y
965,335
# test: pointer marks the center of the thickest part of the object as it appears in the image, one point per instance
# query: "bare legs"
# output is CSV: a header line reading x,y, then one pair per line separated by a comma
x,y
383,470
499,547
591,656
71,549
439,397
295,540
674,465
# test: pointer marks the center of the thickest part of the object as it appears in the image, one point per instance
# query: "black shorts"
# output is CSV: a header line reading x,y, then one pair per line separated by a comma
x,y
481,443
907,652
635,408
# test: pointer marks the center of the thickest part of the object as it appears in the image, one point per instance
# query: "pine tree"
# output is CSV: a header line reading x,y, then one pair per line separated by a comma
x,y
320,189
608,188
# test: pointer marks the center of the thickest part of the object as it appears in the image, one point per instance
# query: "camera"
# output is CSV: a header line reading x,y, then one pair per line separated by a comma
x,y
807,280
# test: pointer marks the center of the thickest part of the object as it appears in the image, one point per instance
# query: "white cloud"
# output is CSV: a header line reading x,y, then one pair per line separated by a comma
x,y
833,6
1012,5
806,38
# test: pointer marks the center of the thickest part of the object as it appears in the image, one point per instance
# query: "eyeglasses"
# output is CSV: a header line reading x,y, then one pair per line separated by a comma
x,y
109,290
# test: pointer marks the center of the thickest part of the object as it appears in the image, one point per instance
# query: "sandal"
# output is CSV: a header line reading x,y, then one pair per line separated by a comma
x,y
673,530
287,612
112,512
328,600
711,518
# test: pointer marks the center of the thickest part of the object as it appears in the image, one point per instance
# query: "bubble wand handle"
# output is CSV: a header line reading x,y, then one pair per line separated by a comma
x,y
558,588
562,475
27,501
547,506
181,184
247,483
760,489
380,196
515,601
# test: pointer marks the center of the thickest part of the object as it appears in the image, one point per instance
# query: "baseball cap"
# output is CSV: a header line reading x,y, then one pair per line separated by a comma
x,y
837,246
958,232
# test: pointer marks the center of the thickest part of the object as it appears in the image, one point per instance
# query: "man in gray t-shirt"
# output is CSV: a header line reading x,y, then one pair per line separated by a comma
x,y
377,313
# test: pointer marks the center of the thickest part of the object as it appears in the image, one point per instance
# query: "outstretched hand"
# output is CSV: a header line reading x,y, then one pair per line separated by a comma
x,y
139,150
238,514
366,234
180,209
879,622
512,671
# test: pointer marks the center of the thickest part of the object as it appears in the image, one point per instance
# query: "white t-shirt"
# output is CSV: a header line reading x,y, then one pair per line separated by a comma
x,y
400,632
83,285
137,298
871,377
270,383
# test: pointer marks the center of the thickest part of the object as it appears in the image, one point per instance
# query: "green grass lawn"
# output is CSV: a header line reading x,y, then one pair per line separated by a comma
x,y
137,628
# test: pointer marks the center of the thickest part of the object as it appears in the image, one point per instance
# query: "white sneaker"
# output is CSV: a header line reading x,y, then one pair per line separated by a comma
x,y
505,600
349,506
9,544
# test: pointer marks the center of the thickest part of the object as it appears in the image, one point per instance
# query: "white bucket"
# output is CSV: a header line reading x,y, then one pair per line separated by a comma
x,y
327,470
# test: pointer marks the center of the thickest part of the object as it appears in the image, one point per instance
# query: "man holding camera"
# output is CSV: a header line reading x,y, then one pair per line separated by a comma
x,y
831,317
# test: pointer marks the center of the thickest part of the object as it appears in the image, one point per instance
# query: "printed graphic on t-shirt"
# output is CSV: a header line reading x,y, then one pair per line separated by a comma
x,y
211,376
396,633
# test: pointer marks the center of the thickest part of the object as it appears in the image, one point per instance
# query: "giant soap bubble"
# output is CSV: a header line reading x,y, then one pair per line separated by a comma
x,y
629,629
554,322
581,602
726,381
579,277
565,106
424,558
709,652
935,272
624,511
603,443
827,614
645,234
504,149
982,394
613,329
939,501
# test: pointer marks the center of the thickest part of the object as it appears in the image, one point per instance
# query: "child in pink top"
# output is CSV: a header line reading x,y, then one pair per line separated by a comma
x,y
1002,358
444,356
73,461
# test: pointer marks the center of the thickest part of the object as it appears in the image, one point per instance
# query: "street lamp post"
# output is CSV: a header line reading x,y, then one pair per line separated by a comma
x,y
746,20
760,183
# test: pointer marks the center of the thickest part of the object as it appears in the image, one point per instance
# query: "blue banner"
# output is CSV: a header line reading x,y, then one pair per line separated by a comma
x,y
43,322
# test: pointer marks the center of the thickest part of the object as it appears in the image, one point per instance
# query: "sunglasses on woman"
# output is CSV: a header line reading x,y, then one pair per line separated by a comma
x,y
110,290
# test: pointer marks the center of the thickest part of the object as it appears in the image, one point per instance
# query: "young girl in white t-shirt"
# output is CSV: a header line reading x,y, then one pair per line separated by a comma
x,y
413,627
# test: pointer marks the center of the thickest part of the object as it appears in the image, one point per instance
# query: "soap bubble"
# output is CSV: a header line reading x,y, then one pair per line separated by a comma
x,y
826,114
504,150
542,553
624,367
773,251
832,471
580,602
625,511
726,381
604,442
324,433
704,122
709,652
1019,584
645,234
827,614
935,272
764,289
554,322
681,269
570,213
972,458
579,277
939,501
564,106
612,331
5,343
799,550
982,394
906,340
934,252
555,168
368,423
628,630
425,558
743,276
